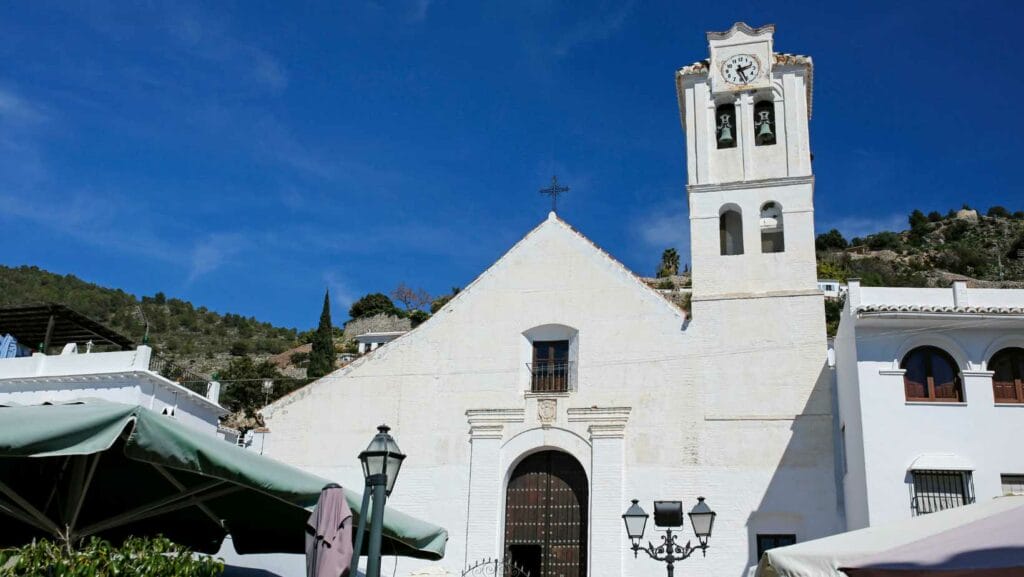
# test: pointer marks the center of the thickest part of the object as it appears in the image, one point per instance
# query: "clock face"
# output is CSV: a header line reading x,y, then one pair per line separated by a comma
x,y
740,69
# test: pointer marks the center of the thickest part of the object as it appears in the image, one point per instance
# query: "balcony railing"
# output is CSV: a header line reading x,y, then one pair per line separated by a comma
x,y
184,376
552,376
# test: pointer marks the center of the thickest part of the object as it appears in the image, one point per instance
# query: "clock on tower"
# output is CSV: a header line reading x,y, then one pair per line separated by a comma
x,y
741,58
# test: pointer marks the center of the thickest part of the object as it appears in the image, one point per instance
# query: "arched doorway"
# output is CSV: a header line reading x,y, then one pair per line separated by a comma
x,y
546,516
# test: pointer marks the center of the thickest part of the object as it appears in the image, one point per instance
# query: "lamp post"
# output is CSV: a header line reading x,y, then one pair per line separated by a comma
x,y
669,514
381,462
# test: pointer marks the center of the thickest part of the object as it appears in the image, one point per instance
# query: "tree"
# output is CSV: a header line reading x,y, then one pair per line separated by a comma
x,y
999,211
669,263
934,216
411,299
243,384
321,358
442,300
831,240
917,219
373,304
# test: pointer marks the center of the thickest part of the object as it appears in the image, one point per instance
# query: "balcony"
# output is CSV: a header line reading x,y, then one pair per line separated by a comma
x,y
552,376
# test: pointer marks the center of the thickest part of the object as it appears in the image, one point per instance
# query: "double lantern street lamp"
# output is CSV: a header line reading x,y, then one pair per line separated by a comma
x,y
381,462
669,514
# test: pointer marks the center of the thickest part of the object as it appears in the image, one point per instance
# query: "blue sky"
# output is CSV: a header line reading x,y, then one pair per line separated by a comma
x,y
247,155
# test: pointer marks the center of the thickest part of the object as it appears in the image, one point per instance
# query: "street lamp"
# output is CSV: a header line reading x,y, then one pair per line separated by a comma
x,y
381,462
669,514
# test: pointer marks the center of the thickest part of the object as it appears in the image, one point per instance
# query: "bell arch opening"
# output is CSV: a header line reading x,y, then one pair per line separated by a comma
x,y
546,515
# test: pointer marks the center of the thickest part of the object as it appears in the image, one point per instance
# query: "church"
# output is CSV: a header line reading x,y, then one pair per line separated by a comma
x,y
557,386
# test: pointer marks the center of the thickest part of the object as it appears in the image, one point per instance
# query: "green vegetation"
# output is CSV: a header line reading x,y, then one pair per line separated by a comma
x,y
934,247
442,300
374,304
176,327
156,557
244,393
669,263
321,358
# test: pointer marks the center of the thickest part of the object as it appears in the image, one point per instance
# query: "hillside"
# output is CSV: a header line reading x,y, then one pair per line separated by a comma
x,y
195,337
936,249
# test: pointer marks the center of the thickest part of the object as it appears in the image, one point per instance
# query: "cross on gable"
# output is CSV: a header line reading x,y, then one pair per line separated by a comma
x,y
553,191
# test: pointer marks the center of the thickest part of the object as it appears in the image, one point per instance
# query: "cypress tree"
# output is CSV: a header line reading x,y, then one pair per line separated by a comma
x,y
321,358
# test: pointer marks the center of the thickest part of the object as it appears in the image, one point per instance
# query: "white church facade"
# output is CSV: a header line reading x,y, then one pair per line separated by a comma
x,y
558,386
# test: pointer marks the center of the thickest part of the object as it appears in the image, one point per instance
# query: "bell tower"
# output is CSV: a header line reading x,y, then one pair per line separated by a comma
x,y
758,324
745,112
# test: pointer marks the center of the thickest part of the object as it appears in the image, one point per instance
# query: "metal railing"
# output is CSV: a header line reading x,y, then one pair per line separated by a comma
x,y
552,376
938,490
191,380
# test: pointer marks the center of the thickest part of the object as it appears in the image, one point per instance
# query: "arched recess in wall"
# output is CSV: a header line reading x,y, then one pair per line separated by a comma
x,y
764,123
941,341
551,352
726,129
773,236
730,230
931,375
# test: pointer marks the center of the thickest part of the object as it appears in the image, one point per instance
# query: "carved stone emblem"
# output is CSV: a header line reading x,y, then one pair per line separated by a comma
x,y
547,410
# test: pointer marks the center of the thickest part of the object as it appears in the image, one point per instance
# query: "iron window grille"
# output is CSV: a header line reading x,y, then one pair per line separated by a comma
x,y
771,541
552,376
933,491
1012,484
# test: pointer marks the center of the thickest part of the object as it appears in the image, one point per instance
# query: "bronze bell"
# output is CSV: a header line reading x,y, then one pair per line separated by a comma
x,y
764,130
725,132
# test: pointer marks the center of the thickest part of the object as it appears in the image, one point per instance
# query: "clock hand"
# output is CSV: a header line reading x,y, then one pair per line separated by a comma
x,y
740,71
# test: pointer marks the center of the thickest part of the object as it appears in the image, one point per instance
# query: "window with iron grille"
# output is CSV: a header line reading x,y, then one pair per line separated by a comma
x,y
933,491
771,541
551,370
1013,484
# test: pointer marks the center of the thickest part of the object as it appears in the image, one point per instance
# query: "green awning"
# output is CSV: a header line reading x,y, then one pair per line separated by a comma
x,y
112,470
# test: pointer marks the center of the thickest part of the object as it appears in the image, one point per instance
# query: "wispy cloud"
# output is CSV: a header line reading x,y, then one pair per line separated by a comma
x,y
419,10
342,295
213,251
666,226
601,26
15,109
204,36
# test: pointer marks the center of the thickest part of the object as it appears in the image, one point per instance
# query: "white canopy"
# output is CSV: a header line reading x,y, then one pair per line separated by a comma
x,y
985,538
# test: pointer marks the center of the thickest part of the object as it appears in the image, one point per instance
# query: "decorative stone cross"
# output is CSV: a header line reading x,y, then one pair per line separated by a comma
x,y
553,191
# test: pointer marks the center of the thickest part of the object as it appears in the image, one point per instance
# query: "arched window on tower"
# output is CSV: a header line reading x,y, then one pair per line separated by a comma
x,y
725,125
764,123
773,238
931,375
730,230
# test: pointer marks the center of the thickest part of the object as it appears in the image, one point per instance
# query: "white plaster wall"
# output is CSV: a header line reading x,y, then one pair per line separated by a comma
x,y
753,271
681,438
76,364
132,388
848,392
896,432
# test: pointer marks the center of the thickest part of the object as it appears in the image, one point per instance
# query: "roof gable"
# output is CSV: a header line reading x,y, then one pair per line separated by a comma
x,y
522,270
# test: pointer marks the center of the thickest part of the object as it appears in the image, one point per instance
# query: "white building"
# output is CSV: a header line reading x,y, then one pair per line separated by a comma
x,y
370,341
931,400
121,376
831,289
557,378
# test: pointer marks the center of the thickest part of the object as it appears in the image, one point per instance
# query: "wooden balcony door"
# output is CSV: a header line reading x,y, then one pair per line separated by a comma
x,y
546,516
550,366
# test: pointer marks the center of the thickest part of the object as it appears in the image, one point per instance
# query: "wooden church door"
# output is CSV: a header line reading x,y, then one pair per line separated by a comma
x,y
546,516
